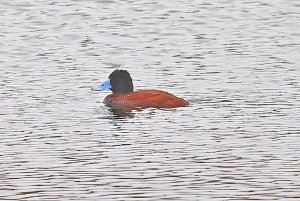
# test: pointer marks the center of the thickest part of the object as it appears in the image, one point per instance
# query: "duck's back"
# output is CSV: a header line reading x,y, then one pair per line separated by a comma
x,y
145,99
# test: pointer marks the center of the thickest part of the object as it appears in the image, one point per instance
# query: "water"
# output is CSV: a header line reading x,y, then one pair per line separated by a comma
x,y
236,62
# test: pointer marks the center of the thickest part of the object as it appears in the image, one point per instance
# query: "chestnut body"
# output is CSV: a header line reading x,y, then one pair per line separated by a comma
x,y
144,99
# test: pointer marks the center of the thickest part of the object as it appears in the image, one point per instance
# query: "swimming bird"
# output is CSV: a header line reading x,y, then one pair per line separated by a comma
x,y
123,96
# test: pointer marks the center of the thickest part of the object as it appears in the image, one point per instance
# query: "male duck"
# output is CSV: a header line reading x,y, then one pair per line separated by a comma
x,y
123,96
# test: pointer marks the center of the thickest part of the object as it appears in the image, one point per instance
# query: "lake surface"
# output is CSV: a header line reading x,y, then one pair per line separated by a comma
x,y
236,62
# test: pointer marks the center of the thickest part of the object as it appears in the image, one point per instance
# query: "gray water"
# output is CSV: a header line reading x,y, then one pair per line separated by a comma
x,y
236,62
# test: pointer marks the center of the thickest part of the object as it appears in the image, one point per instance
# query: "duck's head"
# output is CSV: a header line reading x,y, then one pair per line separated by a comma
x,y
119,81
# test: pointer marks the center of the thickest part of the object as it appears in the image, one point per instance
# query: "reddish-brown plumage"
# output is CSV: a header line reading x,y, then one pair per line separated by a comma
x,y
145,99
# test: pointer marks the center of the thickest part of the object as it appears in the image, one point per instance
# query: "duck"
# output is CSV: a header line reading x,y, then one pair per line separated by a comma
x,y
123,94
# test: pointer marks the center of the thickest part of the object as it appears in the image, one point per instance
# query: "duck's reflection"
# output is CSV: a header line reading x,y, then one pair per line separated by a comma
x,y
121,113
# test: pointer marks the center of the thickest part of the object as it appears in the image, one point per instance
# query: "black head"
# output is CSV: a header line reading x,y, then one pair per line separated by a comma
x,y
120,82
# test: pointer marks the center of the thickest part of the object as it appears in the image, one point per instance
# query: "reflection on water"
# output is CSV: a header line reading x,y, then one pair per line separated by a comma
x,y
121,113
237,63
